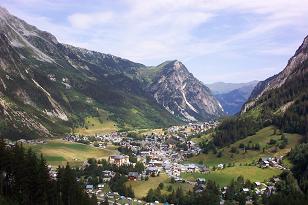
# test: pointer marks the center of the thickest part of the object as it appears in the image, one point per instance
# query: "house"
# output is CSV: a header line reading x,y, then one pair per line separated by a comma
x,y
179,180
204,169
107,173
220,166
257,183
89,187
119,160
245,190
200,181
106,179
155,163
264,162
100,186
192,168
133,175
153,171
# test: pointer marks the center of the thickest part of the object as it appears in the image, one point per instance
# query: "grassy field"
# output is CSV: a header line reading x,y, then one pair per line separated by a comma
x,y
202,138
224,177
97,125
262,137
59,152
158,131
141,188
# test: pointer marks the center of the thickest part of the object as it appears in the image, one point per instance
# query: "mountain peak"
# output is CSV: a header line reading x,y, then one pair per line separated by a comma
x,y
174,66
3,11
178,64
176,89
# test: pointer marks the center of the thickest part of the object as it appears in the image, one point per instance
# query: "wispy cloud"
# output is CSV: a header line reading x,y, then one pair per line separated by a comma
x,y
85,21
157,30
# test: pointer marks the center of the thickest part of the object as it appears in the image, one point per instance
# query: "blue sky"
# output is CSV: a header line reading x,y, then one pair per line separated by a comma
x,y
217,40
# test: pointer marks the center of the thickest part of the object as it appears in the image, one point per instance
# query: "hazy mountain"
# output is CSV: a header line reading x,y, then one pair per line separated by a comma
x,y
47,87
221,87
232,96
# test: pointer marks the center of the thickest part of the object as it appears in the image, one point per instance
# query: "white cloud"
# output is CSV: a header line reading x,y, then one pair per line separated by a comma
x,y
157,30
84,21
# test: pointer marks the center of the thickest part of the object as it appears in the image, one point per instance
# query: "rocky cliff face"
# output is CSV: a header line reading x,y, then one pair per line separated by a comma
x,y
296,70
48,87
182,94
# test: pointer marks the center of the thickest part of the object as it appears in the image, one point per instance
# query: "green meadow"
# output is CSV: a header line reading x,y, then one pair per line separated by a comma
x,y
59,152
141,188
224,177
262,137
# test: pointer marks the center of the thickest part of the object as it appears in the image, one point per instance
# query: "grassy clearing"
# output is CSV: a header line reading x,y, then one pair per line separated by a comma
x,y
262,137
141,188
59,152
224,177
202,138
184,186
97,125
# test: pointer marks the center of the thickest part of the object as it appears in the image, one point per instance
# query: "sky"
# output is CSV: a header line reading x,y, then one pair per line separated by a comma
x,y
217,40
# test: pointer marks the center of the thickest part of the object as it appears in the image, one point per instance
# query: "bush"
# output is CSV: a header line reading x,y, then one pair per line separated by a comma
x,y
233,150
272,142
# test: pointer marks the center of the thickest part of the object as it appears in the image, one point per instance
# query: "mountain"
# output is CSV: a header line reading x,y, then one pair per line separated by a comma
x,y
222,88
232,96
47,88
281,100
289,84
182,94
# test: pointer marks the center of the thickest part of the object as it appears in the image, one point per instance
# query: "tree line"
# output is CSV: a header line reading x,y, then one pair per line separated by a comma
x,y
25,179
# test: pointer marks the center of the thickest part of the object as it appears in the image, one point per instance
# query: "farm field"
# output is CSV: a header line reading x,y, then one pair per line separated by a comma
x,y
141,188
262,137
59,152
224,177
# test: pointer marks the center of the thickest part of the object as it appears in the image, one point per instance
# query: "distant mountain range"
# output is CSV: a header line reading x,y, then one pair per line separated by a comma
x,y
232,96
47,88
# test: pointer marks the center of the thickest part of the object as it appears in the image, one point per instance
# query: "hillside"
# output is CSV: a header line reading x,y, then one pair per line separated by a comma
x,y
182,94
48,88
235,152
281,100
287,85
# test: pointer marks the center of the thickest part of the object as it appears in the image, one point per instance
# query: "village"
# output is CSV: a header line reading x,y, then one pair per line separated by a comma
x,y
159,153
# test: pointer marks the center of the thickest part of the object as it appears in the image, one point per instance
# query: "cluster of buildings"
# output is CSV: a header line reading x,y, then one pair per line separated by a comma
x,y
193,128
97,140
159,153
275,162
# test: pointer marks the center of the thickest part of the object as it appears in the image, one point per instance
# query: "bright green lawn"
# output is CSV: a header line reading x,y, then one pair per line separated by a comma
x,y
59,152
224,177
141,188
262,137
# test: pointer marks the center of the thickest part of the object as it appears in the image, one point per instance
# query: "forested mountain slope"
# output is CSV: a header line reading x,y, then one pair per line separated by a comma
x,y
281,100
47,88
